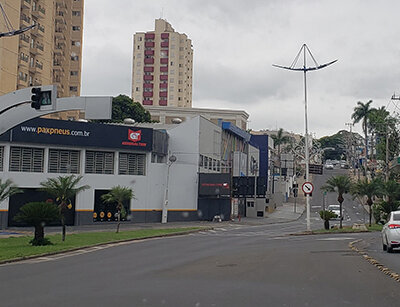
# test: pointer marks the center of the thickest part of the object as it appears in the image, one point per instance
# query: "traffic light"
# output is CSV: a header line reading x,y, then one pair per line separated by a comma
x,y
40,98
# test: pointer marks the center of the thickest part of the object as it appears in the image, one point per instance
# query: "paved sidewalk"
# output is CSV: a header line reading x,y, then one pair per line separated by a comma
x,y
283,213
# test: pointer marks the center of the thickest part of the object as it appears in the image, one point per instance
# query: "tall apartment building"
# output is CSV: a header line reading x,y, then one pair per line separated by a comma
x,y
162,67
50,53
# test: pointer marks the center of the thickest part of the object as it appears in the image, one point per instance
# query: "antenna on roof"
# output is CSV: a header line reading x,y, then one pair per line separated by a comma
x,y
162,13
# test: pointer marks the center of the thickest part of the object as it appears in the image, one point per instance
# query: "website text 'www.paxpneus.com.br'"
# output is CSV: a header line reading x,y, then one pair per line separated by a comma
x,y
55,131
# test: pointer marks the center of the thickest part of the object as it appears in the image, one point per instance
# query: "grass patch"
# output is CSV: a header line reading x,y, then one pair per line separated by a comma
x,y
17,247
375,227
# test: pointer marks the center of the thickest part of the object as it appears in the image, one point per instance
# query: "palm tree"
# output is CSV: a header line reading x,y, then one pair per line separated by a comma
x,y
364,188
38,214
63,188
391,202
361,113
7,189
340,184
280,139
118,195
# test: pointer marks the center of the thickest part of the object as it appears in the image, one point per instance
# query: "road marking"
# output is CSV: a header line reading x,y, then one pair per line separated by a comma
x,y
335,239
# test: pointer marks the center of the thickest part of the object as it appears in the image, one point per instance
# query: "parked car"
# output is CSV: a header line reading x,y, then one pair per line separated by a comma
x,y
344,165
328,166
335,209
391,232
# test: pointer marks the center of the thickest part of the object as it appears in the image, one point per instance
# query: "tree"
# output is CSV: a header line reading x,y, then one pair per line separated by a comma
x,y
7,189
38,214
340,184
391,190
280,139
63,189
124,107
369,189
361,113
118,195
327,215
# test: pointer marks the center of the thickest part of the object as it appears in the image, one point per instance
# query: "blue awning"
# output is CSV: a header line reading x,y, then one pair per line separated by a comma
x,y
236,130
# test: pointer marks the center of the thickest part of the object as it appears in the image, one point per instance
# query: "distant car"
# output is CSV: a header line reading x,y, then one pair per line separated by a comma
x,y
391,232
335,209
328,166
344,165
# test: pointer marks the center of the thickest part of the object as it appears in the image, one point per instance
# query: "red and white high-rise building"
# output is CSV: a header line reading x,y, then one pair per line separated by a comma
x,y
162,67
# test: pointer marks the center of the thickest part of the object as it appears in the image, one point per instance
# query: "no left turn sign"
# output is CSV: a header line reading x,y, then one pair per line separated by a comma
x,y
307,187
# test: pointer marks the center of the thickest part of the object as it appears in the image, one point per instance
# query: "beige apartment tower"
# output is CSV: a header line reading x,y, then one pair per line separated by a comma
x,y
50,53
162,67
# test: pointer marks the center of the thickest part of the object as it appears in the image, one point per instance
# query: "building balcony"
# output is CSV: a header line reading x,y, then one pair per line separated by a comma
x,y
164,69
163,94
164,35
148,85
163,85
32,69
164,44
149,52
149,36
148,78
26,4
24,39
147,94
149,44
149,61
162,102
148,102
164,61
164,77
148,69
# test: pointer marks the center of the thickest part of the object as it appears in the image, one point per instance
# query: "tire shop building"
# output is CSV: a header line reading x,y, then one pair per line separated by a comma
x,y
137,156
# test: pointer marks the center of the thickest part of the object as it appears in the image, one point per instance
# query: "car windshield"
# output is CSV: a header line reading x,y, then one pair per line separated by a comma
x,y
396,216
334,208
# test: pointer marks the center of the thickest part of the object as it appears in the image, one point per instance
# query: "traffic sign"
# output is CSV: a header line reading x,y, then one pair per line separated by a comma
x,y
307,187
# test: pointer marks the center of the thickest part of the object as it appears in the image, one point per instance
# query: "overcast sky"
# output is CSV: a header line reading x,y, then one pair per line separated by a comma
x,y
235,44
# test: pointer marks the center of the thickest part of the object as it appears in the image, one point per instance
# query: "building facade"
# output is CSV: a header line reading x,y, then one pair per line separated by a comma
x,y
162,67
136,156
50,53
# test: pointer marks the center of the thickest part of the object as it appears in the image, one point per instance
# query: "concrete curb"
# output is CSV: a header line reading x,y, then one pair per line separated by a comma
x,y
102,244
374,262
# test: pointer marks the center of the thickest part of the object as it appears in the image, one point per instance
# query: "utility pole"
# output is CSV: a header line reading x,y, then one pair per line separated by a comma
x,y
304,50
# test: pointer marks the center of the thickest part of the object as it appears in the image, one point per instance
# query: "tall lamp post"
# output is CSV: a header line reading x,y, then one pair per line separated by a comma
x,y
304,50
164,217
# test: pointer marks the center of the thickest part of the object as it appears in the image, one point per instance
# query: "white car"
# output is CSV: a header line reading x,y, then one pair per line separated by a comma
x,y
335,209
328,166
391,232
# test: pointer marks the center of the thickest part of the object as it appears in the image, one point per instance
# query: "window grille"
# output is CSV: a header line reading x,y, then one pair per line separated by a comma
x,y
24,159
64,161
99,162
132,164
1,158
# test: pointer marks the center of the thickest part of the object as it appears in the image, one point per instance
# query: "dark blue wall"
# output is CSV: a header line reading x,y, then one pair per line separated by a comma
x,y
261,141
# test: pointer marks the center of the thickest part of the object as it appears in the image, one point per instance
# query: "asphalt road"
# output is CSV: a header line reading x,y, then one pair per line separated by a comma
x,y
238,266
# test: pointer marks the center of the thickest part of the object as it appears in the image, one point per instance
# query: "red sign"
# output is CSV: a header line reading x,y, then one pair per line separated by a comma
x,y
134,138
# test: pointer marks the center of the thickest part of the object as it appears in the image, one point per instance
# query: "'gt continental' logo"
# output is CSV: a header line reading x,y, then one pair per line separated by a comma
x,y
134,136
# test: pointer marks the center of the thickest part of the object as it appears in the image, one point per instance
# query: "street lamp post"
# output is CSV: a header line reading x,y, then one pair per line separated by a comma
x,y
164,217
304,50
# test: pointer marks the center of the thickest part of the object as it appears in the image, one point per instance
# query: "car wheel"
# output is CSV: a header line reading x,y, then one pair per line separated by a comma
x,y
389,249
384,246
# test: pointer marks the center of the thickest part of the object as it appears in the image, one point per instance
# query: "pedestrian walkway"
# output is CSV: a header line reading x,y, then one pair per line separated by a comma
x,y
283,213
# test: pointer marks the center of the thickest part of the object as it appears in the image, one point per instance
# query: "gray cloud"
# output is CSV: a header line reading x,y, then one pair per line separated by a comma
x,y
236,43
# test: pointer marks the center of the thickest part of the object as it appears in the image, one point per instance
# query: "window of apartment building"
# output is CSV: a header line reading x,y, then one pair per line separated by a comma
x,y
172,46
179,98
73,88
171,80
64,161
140,38
76,13
74,58
179,90
138,47
99,162
172,63
171,88
171,97
76,28
1,158
201,161
26,159
74,73
172,72
137,89
131,164
75,43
